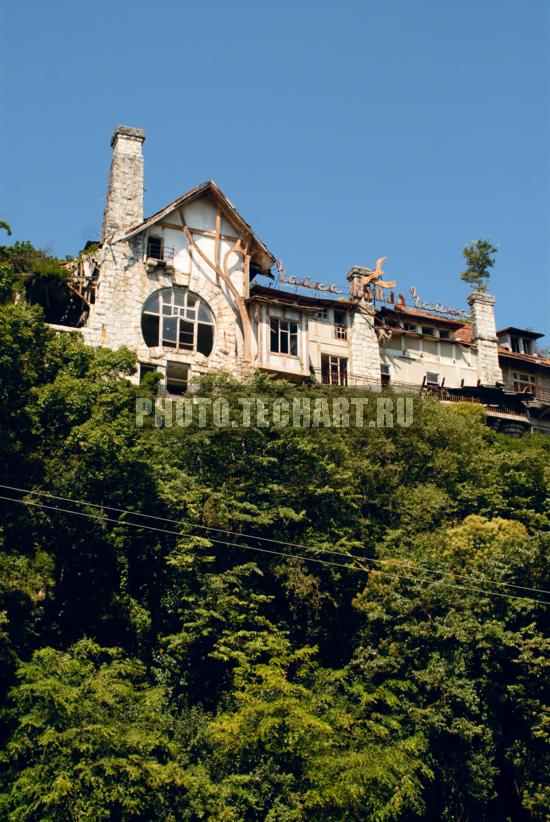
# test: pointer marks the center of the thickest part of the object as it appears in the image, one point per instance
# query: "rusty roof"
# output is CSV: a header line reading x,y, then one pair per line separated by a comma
x,y
541,362
398,312
208,187
278,295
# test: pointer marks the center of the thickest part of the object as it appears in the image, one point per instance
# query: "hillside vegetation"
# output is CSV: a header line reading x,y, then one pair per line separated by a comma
x,y
163,669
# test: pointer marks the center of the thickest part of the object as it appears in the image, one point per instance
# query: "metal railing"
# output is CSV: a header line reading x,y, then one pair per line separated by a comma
x,y
164,253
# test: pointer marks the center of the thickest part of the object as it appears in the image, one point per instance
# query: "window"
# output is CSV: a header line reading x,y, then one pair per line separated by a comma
x,y
523,382
515,345
334,370
340,325
410,327
158,251
154,248
284,336
145,368
428,330
323,314
385,374
444,334
527,346
446,349
176,318
177,374
432,379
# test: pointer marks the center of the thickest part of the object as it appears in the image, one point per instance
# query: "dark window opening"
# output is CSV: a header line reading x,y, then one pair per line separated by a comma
x,y
284,337
340,324
432,379
515,345
385,374
205,339
177,376
150,329
144,369
175,318
334,370
154,248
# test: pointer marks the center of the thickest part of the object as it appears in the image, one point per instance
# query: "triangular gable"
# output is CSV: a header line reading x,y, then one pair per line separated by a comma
x,y
261,254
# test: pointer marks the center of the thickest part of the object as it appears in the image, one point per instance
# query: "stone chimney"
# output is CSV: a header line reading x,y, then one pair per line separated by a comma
x,y
124,204
485,337
364,346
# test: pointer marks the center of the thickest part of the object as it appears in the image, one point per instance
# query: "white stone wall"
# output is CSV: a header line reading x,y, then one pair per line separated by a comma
x,y
485,337
455,363
364,347
125,282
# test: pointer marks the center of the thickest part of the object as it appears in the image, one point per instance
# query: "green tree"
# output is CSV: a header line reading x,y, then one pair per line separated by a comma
x,y
478,263
91,742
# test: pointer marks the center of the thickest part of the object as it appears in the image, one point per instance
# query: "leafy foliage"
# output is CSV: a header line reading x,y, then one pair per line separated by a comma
x,y
176,674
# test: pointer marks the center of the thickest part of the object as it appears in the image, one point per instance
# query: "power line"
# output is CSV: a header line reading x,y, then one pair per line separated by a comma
x,y
272,541
273,552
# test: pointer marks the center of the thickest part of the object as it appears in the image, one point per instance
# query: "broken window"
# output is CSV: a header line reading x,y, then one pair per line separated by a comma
x,y
177,376
524,382
385,374
284,336
432,379
176,318
334,370
144,369
340,325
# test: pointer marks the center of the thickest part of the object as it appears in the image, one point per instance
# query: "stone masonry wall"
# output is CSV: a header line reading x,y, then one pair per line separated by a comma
x,y
124,203
364,347
485,337
124,286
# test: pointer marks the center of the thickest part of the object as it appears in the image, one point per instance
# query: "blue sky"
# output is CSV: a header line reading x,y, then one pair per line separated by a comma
x,y
343,131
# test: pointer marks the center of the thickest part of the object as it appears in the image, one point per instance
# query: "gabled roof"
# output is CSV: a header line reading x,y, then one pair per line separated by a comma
x,y
262,255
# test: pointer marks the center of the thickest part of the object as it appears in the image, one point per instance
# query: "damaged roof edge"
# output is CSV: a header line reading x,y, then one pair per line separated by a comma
x,y
210,187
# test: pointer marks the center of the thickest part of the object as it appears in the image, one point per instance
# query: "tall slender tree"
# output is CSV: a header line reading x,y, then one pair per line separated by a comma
x,y
478,263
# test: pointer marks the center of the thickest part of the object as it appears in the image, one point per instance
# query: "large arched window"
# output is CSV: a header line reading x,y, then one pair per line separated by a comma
x,y
177,318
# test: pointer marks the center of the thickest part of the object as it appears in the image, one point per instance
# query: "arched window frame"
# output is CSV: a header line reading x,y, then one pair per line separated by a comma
x,y
178,319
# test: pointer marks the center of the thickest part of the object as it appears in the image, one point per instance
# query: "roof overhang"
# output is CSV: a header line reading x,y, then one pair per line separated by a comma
x,y
520,332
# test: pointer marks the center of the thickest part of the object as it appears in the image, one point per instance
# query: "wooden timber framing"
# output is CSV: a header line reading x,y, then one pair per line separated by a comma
x,y
241,246
175,227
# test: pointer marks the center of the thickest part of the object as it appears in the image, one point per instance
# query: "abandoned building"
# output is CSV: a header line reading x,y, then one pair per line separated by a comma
x,y
193,288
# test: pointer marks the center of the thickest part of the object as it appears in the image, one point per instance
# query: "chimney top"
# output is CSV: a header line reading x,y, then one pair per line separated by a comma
x,y
127,131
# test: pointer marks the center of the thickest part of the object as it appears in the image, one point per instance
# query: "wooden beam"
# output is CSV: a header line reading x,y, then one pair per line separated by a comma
x,y
239,302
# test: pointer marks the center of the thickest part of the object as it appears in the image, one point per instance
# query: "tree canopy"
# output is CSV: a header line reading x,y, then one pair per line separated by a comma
x,y
168,669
